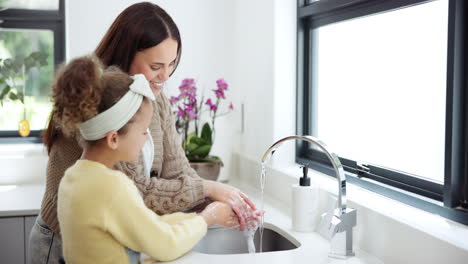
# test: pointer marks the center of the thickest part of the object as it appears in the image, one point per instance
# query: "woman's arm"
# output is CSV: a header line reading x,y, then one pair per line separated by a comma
x,y
176,164
174,186
162,195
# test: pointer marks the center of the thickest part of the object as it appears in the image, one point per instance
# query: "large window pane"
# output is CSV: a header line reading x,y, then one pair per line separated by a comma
x,y
37,105
30,4
380,88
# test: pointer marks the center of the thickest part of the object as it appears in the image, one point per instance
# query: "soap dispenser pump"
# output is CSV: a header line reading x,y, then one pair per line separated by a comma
x,y
304,180
304,204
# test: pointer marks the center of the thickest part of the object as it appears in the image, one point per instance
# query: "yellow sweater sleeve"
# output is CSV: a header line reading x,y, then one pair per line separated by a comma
x,y
163,238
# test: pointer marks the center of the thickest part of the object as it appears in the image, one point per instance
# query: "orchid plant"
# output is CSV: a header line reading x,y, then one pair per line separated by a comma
x,y
189,110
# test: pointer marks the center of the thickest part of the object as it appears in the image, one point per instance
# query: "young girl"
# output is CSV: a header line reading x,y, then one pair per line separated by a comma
x,y
100,210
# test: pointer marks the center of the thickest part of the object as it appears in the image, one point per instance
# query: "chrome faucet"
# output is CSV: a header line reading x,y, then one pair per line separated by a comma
x,y
336,225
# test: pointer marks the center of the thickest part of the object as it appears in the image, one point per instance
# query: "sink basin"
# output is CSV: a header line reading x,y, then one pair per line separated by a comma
x,y
229,241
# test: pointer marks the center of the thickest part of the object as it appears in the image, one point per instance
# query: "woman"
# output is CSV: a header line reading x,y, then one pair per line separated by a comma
x,y
143,39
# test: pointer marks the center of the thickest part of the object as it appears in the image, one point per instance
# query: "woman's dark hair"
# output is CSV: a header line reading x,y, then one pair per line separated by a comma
x,y
138,27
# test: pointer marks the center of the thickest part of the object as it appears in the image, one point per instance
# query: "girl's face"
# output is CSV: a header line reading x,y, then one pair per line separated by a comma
x,y
132,142
156,63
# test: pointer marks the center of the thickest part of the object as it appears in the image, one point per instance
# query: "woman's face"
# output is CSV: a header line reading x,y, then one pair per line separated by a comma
x,y
156,63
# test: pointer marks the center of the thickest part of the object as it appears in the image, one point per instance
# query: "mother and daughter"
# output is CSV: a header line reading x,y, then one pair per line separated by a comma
x,y
118,180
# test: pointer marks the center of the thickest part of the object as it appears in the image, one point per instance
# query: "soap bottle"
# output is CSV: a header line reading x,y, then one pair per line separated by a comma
x,y
304,204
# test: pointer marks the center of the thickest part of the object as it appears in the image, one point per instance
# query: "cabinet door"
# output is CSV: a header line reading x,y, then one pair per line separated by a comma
x,y
12,240
28,225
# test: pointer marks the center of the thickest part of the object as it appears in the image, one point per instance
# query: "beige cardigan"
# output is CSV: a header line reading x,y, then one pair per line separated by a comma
x,y
174,185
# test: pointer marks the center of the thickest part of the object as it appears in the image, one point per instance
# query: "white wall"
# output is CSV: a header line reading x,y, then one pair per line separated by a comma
x,y
284,101
265,48
253,71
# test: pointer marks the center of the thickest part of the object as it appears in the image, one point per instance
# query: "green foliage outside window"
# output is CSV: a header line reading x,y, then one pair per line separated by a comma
x,y
30,51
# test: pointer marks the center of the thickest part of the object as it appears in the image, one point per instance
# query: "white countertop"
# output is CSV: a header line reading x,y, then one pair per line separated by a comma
x,y
20,200
313,248
26,200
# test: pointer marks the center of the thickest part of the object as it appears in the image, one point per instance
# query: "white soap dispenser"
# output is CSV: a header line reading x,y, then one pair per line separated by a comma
x,y
304,204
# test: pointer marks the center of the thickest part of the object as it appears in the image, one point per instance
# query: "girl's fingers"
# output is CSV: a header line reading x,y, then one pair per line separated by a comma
x,y
240,217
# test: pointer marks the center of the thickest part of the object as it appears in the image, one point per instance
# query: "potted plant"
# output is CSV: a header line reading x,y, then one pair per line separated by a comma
x,y
197,140
13,72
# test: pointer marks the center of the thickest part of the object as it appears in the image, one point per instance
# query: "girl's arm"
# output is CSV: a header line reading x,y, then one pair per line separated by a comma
x,y
137,227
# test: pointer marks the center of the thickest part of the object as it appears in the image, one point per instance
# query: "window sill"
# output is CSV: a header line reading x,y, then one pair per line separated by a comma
x,y
20,140
432,224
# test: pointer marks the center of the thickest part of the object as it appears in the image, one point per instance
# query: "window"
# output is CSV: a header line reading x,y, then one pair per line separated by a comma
x,y
30,4
382,83
26,27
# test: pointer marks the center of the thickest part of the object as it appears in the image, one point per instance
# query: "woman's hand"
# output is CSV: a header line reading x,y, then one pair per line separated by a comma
x,y
218,213
239,202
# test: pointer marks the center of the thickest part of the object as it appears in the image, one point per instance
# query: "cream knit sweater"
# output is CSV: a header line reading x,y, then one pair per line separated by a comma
x,y
174,186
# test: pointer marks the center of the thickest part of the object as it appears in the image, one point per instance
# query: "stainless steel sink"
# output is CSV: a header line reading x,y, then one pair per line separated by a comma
x,y
228,241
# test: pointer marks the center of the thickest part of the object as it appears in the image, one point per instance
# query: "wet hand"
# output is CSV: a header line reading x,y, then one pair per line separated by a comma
x,y
218,213
240,203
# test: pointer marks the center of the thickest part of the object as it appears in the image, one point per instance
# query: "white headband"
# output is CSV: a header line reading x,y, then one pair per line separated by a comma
x,y
120,113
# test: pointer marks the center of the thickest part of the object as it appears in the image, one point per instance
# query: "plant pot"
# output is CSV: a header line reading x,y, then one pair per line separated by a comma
x,y
207,170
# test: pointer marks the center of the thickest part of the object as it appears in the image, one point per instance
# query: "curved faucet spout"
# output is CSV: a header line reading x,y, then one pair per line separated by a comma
x,y
335,161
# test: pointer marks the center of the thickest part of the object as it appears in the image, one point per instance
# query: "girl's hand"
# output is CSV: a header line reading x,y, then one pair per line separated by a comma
x,y
218,213
238,201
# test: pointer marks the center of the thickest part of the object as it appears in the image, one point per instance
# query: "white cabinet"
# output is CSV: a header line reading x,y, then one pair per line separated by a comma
x,y
14,238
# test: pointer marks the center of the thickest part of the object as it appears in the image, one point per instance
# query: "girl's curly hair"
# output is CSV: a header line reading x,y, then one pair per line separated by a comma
x,y
82,89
